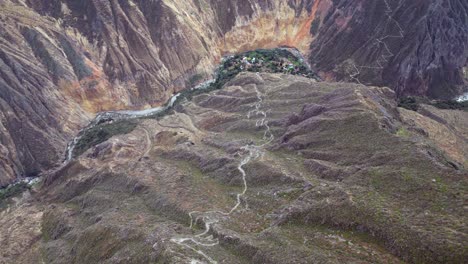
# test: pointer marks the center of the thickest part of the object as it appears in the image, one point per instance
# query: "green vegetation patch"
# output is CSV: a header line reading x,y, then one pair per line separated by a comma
x,y
413,103
409,103
451,104
403,132
13,190
101,133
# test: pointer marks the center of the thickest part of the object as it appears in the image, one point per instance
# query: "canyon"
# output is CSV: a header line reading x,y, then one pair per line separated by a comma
x,y
62,62
212,131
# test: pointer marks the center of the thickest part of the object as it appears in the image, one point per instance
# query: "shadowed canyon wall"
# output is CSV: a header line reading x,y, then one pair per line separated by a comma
x,y
415,47
61,61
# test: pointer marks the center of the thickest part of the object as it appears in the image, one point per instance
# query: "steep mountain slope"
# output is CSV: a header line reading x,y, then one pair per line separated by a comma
x,y
272,168
415,47
62,61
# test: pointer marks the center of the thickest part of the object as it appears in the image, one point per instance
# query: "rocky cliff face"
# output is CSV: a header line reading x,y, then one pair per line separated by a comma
x,y
62,61
415,47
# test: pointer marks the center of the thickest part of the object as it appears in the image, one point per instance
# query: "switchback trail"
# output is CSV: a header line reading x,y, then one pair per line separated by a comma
x,y
251,152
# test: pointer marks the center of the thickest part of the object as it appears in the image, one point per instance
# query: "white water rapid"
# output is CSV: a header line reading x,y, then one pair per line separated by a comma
x,y
462,98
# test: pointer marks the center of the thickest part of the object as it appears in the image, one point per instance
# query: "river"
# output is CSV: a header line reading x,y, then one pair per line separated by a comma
x,y
462,98
125,115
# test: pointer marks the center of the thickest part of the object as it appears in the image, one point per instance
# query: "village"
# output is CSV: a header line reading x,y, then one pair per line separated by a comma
x,y
273,61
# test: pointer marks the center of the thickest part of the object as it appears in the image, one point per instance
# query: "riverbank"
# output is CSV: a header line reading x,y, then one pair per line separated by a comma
x,y
111,123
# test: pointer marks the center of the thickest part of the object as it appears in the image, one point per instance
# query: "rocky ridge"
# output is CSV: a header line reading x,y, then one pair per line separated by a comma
x,y
272,168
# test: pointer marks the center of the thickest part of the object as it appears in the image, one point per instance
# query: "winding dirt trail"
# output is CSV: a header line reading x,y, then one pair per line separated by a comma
x,y
252,152
381,41
149,143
